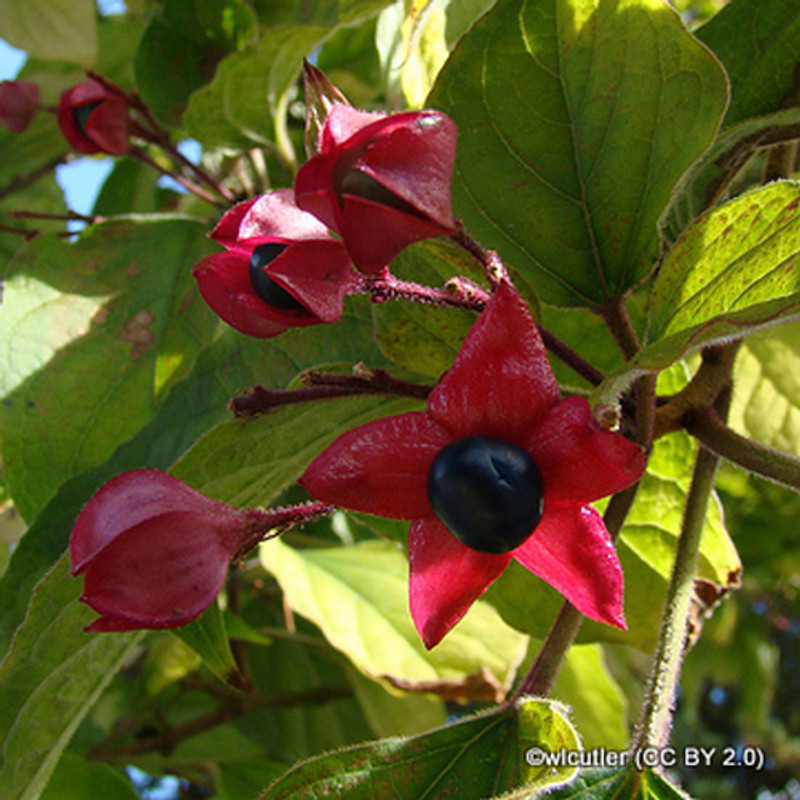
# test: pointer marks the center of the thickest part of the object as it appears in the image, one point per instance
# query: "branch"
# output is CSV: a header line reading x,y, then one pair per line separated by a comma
x,y
709,380
23,180
167,739
776,465
320,386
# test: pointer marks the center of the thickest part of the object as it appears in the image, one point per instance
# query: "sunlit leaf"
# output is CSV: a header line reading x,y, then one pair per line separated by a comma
x,y
93,334
620,784
369,619
766,400
58,30
733,272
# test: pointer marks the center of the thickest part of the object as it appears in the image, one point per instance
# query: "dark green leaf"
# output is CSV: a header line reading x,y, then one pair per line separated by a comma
x,y
49,680
58,30
758,41
621,784
75,778
589,114
181,47
477,757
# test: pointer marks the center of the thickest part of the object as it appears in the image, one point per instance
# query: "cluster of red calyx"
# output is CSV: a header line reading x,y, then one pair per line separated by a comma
x,y
94,119
379,182
497,468
92,116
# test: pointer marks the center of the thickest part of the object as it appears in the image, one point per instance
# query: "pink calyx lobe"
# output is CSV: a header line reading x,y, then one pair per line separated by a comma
x,y
500,385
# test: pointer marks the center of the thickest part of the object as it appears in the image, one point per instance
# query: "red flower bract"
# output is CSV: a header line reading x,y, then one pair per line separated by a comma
x,y
381,182
94,119
19,102
155,552
500,386
306,275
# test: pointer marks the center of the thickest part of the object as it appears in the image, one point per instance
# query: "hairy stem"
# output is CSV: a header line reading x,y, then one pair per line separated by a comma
x,y
656,721
493,266
619,323
386,286
776,465
709,380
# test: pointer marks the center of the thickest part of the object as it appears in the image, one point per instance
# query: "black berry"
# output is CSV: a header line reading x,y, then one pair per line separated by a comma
x,y
81,114
267,289
487,492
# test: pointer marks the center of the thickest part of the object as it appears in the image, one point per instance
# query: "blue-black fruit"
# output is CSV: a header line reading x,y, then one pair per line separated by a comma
x,y
270,292
487,492
81,114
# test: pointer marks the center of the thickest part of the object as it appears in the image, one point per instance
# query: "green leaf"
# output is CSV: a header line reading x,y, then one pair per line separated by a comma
x,y
27,153
425,338
758,41
369,620
248,462
49,680
131,187
207,636
412,45
619,784
736,270
168,660
246,781
741,255
766,380
598,707
589,114
124,321
181,47
245,103
75,778
58,30
476,757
